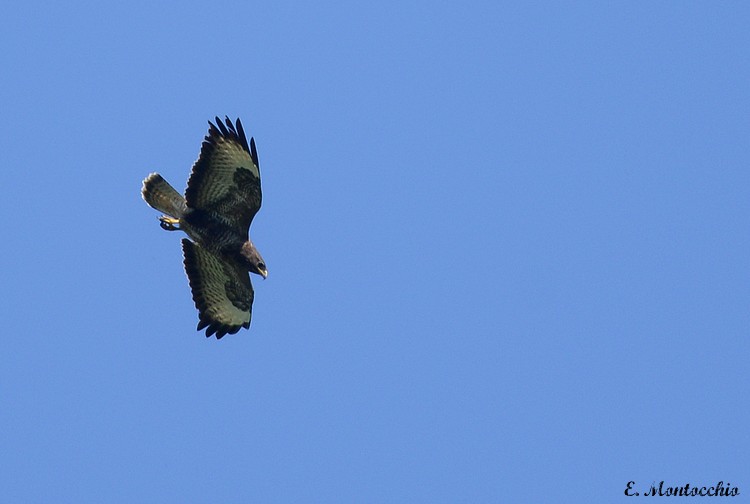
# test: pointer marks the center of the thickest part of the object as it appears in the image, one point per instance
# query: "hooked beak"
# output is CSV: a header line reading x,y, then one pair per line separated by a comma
x,y
264,274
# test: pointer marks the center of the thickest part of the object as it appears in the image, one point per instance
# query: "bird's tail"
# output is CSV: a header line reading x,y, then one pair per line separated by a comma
x,y
163,197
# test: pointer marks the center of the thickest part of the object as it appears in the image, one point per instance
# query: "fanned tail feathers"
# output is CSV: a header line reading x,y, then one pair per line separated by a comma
x,y
163,197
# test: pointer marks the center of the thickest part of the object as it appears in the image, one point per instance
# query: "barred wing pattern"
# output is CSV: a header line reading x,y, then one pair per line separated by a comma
x,y
221,289
225,180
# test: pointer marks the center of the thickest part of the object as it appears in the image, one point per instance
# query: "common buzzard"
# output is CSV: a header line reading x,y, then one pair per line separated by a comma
x,y
222,197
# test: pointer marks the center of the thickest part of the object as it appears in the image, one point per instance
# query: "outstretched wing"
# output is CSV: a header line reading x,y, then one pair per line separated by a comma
x,y
225,180
222,291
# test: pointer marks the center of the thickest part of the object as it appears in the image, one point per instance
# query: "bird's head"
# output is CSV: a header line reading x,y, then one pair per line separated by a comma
x,y
253,259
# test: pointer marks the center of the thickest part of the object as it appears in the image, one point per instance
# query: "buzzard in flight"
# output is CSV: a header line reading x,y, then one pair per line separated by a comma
x,y
222,197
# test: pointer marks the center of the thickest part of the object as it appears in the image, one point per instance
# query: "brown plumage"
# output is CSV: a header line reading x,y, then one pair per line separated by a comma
x,y
222,197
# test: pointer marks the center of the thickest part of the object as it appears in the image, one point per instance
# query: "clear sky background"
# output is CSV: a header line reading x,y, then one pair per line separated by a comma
x,y
508,248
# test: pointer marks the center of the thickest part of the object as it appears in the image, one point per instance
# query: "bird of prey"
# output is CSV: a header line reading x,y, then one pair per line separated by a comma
x,y
222,197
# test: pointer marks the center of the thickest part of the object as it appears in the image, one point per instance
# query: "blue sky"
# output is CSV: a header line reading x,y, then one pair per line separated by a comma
x,y
507,244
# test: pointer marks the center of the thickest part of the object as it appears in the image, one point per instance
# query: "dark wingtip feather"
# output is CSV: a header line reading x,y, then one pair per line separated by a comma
x,y
243,139
212,129
223,129
229,131
214,328
253,152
